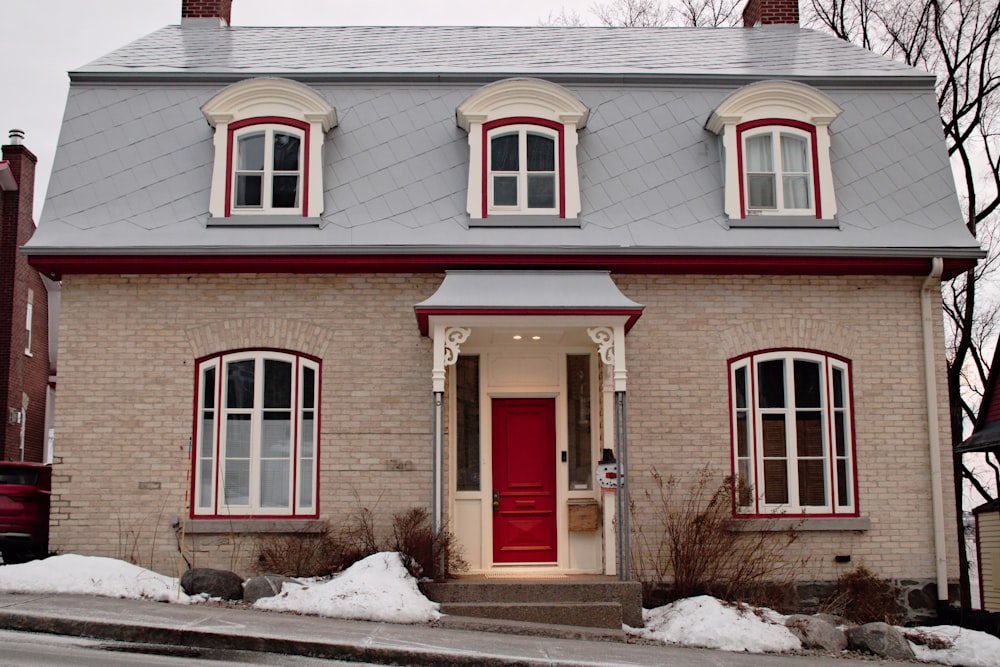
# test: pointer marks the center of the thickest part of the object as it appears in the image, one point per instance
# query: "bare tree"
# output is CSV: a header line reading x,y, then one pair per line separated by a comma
x,y
565,17
958,41
632,13
713,13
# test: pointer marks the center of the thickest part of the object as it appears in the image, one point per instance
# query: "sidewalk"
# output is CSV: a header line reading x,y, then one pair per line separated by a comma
x,y
210,626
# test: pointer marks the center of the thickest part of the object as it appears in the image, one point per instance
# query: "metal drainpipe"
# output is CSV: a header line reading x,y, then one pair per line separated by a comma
x,y
437,515
930,291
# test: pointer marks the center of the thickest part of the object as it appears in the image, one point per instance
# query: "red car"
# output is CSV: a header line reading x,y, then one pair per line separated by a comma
x,y
25,489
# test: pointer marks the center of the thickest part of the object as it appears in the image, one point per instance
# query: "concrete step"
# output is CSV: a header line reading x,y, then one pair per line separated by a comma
x,y
599,602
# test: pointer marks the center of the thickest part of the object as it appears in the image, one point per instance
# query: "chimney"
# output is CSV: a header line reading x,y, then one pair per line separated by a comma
x,y
771,12
206,12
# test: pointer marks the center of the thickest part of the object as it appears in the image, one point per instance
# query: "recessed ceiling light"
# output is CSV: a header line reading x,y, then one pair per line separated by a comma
x,y
536,338
517,337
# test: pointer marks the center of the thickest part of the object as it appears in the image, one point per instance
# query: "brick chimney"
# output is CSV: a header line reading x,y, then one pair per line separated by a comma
x,y
196,11
771,12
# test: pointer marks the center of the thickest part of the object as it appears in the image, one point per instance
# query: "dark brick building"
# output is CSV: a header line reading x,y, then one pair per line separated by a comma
x,y
24,315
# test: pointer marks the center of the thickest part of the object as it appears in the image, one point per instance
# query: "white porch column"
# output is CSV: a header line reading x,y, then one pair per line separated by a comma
x,y
611,349
447,346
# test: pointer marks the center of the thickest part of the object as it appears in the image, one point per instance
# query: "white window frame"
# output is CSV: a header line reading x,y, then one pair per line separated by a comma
x,y
267,174
780,104
28,322
522,130
209,444
265,102
541,106
777,132
750,461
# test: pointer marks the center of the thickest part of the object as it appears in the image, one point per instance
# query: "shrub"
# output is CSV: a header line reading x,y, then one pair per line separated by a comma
x,y
863,597
693,546
412,535
306,554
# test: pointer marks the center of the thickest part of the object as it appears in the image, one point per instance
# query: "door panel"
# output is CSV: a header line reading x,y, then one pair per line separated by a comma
x,y
524,480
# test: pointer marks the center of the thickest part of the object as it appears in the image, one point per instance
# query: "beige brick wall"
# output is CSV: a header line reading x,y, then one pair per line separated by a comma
x,y
126,382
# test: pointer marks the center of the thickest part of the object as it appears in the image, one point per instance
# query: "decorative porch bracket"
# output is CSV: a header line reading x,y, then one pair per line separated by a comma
x,y
447,346
610,343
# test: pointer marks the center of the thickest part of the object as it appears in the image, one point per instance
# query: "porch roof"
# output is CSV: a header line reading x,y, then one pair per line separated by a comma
x,y
527,293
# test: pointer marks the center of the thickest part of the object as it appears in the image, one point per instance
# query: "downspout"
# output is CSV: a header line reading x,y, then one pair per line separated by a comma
x,y
930,294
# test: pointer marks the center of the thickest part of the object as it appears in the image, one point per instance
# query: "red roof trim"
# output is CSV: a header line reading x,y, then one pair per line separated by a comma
x,y
423,314
55,266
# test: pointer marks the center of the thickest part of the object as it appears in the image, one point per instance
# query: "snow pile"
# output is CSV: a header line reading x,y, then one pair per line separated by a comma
x,y
377,588
90,575
708,623
967,648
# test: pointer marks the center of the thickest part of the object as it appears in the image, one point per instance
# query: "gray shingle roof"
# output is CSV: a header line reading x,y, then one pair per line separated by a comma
x,y
132,172
502,50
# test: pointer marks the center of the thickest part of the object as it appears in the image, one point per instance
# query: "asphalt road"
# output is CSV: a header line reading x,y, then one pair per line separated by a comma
x,y
25,649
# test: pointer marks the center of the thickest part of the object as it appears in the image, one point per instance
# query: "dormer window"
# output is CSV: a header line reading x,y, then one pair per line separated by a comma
x,y
269,137
267,174
522,154
776,153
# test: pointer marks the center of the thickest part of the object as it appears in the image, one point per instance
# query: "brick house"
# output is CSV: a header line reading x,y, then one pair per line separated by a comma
x,y
25,364
309,270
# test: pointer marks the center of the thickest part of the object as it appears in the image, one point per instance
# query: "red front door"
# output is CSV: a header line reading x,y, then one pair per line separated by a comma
x,y
524,480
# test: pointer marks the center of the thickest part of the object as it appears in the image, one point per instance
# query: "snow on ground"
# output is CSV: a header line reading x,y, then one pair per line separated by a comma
x,y
90,575
377,588
968,647
706,622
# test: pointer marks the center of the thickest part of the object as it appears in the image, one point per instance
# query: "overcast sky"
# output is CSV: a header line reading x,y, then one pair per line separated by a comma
x,y
44,39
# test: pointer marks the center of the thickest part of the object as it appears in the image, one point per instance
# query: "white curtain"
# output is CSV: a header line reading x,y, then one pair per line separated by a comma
x,y
760,171
795,167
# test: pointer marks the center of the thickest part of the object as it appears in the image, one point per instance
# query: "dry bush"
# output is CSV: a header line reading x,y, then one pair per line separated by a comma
x,y
863,597
692,545
412,535
306,553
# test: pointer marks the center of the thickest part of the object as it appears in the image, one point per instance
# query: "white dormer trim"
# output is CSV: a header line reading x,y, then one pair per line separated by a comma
x,y
269,100
777,103
522,101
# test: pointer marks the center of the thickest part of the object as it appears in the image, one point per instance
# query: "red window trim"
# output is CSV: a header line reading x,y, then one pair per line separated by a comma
x,y
267,120
559,129
779,122
751,402
192,490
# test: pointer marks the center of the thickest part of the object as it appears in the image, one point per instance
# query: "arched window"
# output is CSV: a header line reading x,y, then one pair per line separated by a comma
x,y
256,436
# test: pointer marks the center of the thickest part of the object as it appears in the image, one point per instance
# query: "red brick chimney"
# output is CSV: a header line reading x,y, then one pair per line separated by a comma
x,y
206,9
771,12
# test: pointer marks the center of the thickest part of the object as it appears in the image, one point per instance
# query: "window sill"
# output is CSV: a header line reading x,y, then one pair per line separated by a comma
x,y
506,220
275,525
786,221
256,220
799,524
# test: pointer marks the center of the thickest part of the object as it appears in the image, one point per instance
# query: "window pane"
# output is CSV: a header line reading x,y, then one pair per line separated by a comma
x,y
541,191
773,435
205,483
744,486
277,384
839,435
467,422
276,435
237,436
274,483
771,381
306,439
308,388
248,190
807,384
812,483
843,497
741,434
809,433
306,483
838,388
761,187
504,153
505,190
250,149
208,391
239,384
578,414
796,192
237,483
794,154
285,191
760,157
775,482
206,440
541,153
286,152
741,388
